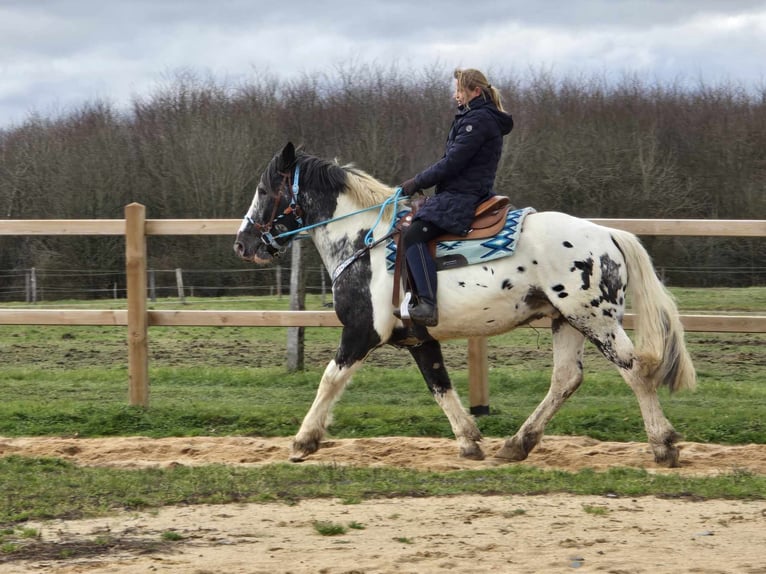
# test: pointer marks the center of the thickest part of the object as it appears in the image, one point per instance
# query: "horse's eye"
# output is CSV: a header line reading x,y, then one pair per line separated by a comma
x,y
280,227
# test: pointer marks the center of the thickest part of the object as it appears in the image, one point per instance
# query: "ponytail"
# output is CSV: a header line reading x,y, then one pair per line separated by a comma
x,y
470,79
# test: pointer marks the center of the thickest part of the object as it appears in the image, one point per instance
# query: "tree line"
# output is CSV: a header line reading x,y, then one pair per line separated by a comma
x,y
195,147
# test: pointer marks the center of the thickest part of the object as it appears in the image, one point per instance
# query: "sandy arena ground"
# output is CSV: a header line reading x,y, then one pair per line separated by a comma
x,y
498,534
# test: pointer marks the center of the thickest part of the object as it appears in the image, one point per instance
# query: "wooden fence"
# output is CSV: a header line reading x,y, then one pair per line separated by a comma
x,y
137,318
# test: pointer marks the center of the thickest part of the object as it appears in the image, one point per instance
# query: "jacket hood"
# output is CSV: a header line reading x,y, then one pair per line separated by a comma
x,y
504,120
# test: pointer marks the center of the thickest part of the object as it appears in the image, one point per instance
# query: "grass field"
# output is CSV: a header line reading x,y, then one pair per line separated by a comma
x,y
231,381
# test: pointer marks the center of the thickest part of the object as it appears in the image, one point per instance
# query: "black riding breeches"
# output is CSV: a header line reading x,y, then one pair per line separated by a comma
x,y
421,232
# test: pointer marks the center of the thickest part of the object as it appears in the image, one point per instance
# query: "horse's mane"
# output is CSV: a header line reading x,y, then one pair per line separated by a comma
x,y
365,189
362,188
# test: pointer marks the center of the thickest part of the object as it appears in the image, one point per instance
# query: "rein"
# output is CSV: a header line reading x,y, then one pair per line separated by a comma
x,y
272,241
294,209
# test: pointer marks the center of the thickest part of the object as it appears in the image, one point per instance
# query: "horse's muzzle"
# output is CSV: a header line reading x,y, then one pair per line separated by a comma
x,y
241,250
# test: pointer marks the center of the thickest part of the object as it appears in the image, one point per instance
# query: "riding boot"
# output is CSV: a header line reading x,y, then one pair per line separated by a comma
x,y
422,270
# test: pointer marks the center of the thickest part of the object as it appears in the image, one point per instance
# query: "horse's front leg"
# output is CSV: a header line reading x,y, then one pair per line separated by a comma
x,y
429,358
334,380
354,348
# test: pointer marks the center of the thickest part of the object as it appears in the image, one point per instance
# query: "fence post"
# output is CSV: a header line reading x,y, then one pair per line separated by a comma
x,y
135,264
152,286
180,285
296,335
324,285
32,286
478,376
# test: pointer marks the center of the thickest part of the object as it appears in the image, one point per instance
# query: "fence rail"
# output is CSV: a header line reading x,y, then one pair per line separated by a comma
x,y
135,227
242,318
675,227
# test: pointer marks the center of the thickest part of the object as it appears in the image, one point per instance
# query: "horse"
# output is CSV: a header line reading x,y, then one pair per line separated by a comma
x,y
571,270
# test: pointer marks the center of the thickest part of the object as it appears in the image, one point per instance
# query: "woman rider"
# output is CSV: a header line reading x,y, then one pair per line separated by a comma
x,y
464,177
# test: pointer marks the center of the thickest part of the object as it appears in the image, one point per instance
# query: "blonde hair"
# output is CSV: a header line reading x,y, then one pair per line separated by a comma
x,y
469,79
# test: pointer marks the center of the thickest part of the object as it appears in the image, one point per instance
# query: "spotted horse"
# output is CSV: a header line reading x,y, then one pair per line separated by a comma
x,y
569,269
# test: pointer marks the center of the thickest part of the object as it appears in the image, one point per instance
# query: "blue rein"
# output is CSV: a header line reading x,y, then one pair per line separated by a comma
x,y
369,240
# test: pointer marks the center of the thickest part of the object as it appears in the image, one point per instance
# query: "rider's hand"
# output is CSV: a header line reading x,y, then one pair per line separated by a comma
x,y
409,187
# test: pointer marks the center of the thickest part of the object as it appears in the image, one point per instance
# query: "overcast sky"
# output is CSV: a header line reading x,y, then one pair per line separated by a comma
x,y
56,55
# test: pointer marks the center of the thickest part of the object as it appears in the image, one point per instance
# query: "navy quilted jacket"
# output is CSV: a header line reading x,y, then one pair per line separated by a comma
x,y
465,175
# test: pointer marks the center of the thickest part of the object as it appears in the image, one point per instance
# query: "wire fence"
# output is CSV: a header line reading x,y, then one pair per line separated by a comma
x,y
36,285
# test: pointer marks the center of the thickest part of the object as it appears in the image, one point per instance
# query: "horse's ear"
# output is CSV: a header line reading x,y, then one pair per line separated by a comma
x,y
287,157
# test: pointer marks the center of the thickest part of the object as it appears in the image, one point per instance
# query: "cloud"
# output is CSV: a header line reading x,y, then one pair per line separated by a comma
x,y
56,54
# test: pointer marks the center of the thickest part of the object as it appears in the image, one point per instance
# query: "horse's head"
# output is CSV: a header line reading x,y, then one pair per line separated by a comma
x,y
273,212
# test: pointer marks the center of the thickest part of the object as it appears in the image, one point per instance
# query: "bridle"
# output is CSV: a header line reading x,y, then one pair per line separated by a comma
x,y
288,192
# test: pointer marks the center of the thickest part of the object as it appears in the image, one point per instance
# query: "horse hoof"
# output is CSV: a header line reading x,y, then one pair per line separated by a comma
x,y
667,456
512,450
667,452
472,453
301,449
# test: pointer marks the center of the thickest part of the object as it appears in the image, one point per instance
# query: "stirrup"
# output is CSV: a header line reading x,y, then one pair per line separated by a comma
x,y
403,312
429,319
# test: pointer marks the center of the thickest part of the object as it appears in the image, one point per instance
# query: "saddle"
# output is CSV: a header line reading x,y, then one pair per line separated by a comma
x,y
488,221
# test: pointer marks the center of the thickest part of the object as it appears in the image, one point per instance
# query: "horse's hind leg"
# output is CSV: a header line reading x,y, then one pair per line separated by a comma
x,y
429,358
568,344
662,437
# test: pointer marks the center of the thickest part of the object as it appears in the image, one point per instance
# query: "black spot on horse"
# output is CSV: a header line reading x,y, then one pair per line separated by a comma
x,y
558,287
507,284
461,283
536,298
611,283
563,295
534,262
520,269
567,245
595,302
607,312
586,267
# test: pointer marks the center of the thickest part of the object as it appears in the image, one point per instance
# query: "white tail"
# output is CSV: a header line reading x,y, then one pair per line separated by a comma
x,y
659,334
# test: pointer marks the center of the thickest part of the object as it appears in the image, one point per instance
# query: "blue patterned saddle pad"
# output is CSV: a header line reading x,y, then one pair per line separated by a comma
x,y
450,254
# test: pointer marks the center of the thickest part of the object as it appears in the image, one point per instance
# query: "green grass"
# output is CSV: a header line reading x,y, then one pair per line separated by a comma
x,y
172,536
271,402
595,510
329,528
232,381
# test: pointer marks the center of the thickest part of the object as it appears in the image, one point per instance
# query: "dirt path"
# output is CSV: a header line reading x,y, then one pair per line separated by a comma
x,y
498,534
561,452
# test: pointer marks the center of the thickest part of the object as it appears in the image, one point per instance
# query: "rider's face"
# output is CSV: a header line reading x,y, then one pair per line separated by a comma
x,y
462,96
